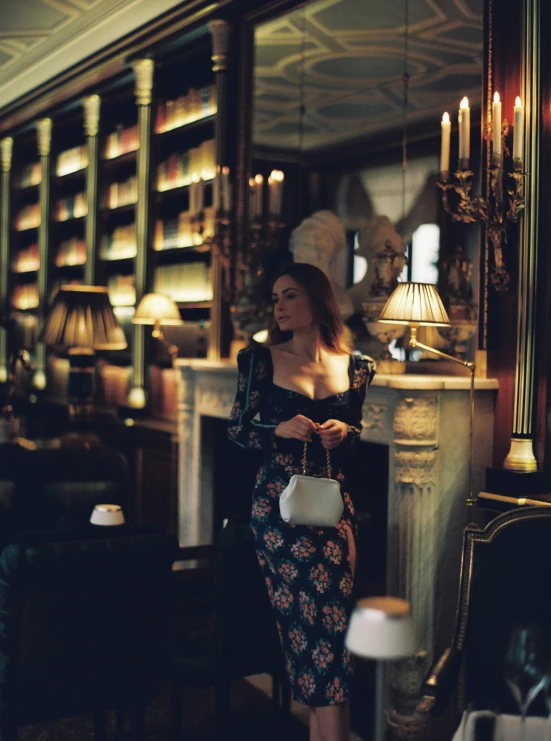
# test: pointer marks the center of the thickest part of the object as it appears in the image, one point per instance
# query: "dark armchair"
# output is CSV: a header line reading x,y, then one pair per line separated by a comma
x,y
84,621
505,579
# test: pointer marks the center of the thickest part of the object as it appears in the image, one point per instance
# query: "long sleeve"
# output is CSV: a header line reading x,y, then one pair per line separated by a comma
x,y
363,375
243,429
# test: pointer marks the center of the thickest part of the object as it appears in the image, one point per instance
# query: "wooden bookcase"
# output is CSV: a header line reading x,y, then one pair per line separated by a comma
x,y
115,188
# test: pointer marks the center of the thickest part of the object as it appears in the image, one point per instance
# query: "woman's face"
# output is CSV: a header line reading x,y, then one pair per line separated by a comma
x,y
291,304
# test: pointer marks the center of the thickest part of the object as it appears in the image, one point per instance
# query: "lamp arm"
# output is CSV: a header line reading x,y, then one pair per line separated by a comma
x,y
171,349
467,364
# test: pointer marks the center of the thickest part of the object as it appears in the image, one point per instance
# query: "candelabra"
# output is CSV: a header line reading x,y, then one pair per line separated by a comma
x,y
504,201
219,244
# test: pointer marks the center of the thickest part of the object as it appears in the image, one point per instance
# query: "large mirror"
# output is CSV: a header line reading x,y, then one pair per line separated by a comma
x,y
347,102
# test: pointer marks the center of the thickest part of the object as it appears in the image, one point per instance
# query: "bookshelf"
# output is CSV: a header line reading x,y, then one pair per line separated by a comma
x,y
122,188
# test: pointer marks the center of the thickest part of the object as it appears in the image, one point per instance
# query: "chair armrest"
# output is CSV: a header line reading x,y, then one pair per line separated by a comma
x,y
440,683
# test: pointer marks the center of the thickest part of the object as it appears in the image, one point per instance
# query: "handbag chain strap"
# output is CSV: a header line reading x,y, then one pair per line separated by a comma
x,y
305,460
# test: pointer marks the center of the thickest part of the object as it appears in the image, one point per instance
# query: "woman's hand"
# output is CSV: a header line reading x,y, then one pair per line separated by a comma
x,y
332,433
299,428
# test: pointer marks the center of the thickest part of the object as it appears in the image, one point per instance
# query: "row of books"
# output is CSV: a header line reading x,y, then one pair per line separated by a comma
x,y
181,168
183,230
121,141
28,217
72,160
119,244
193,106
25,296
113,383
30,175
186,283
122,290
71,252
72,207
123,193
26,260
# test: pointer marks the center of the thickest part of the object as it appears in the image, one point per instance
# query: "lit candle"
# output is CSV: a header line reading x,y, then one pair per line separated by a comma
x,y
272,194
496,125
252,199
445,151
259,180
464,131
518,135
226,189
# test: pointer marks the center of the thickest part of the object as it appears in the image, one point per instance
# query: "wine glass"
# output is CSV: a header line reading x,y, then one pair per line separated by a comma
x,y
525,666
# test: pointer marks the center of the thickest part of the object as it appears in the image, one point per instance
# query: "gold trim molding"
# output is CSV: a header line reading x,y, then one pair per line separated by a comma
x,y
143,72
6,146
220,34
44,133
91,105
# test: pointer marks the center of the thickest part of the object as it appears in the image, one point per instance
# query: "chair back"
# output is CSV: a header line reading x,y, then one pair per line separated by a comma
x,y
83,622
505,579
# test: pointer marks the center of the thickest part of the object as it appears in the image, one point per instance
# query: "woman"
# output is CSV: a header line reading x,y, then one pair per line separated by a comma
x,y
305,387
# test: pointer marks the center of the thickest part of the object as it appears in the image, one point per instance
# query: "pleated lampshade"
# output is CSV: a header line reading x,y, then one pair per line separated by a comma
x,y
156,307
82,316
415,303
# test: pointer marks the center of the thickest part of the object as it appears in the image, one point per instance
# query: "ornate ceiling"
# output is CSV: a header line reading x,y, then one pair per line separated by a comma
x,y
351,58
41,38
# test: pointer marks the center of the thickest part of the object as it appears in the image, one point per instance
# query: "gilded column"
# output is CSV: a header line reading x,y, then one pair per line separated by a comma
x,y
6,146
220,33
91,106
44,134
143,71
521,456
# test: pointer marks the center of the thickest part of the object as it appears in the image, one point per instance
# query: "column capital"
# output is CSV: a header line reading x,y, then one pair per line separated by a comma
x,y
6,146
91,105
143,73
44,132
220,33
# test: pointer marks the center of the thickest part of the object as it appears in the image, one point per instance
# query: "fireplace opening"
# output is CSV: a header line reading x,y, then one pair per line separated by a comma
x,y
228,475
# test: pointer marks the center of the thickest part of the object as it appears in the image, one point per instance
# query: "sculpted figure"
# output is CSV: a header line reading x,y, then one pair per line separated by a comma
x,y
317,240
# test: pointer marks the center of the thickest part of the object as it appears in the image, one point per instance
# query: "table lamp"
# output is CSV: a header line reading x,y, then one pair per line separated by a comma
x,y
158,309
82,320
381,628
417,304
108,515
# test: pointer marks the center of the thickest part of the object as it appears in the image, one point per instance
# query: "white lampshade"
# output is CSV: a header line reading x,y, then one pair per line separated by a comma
x,y
415,303
156,307
107,514
381,628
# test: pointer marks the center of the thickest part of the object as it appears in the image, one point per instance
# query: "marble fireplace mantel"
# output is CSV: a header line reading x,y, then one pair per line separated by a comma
x,y
424,420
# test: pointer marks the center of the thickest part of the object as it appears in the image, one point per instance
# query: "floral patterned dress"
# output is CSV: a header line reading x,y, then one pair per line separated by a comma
x,y
307,570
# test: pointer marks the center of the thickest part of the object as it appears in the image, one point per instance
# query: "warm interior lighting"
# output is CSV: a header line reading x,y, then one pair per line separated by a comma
x,y
496,98
417,304
446,117
518,101
261,336
464,103
158,309
83,321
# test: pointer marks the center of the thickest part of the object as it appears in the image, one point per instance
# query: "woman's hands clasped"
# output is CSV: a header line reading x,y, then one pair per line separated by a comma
x,y
332,432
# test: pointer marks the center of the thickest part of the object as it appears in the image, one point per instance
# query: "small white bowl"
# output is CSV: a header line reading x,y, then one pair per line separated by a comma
x,y
107,514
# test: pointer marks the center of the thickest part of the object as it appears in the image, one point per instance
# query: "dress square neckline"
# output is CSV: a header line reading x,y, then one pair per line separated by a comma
x,y
305,396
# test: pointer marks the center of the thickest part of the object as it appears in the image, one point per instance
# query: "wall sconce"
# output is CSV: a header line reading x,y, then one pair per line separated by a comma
x,y
505,200
416,304
157,309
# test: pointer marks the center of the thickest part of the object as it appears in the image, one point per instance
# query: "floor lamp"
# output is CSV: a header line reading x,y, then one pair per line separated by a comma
x,y
419,304
381,628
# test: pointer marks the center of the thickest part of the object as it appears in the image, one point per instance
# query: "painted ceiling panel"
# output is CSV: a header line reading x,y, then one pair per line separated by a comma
x,y
33,15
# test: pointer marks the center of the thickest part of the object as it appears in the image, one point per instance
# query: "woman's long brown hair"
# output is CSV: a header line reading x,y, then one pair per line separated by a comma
x,y
323,302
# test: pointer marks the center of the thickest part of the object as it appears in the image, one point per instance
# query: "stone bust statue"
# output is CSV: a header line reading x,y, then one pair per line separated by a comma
x,y
317,240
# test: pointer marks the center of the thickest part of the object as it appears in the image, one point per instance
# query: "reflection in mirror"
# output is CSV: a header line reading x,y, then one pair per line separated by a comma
x,y
348,96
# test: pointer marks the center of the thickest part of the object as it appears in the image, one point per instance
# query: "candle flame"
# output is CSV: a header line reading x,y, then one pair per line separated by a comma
x,y
276,176
225,170
518,101
464,103
258,179
496,98
446,118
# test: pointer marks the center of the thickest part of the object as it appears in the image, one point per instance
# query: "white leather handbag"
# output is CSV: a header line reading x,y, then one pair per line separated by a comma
x,y
311,500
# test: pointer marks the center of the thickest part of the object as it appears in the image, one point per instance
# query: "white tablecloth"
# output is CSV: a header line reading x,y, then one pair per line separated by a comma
x,y
507,728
